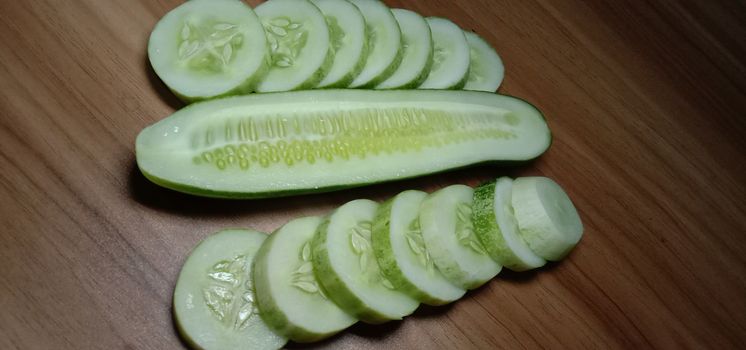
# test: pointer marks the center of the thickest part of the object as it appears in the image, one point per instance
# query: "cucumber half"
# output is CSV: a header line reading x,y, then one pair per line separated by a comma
x,y
486,71
347,39
383,38
451,57
265,145
214,303
208,48
417,52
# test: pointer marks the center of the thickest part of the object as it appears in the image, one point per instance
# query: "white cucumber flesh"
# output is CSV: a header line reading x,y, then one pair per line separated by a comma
x,y
417,52
446,223
208,48
346,267
547,219
486,71
402,252
214,301
287,293
451,57
383,39
347,39
266,145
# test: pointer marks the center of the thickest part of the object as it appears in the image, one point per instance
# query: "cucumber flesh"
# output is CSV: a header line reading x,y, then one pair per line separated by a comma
x,y
347,39
451,57
487,70
298,40
345,265
214,298
287,294
383,38
445,218
265,145
208,48
417,52
547,219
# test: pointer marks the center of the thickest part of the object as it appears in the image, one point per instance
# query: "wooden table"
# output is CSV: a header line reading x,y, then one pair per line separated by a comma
x,y
647,104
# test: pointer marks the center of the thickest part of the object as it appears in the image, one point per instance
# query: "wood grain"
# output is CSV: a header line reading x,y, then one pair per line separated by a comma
x,y
646,101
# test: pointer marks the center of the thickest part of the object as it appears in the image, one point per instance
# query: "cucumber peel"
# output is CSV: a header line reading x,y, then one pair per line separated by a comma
x,y
486,70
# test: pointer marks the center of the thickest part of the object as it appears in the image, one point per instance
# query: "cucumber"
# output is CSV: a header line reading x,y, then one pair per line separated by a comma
x,y
214,298
547,219
287,294
445,218
496,226
298,40
345,265
265,145
383,38
450,56
402,254
208,48
417,52
486,71
347,39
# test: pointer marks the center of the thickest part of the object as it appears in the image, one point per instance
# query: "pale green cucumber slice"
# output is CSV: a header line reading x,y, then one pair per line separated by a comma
x,y
345,265
347,38
547,219
450,56
445,219
417,52
214,298
208,48
486,71
265,145
383,38
298,41
496,227
402,254
287,294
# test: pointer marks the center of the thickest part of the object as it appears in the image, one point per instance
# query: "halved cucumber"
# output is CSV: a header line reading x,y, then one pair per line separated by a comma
x,y
383,38
208,48
450,56
546,217
445,218
486,71
298,40
347,38
402,254
496,227
265,145
345,265
288,296
214,296
417,52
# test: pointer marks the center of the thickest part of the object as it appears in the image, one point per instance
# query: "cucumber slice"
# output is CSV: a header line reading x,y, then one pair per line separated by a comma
x,y
287,294
347,35
546,217
402,254
265,145
214,298
208,48
450,56
417,52
496,227
445,218
383,38
298,40
486,71
345,265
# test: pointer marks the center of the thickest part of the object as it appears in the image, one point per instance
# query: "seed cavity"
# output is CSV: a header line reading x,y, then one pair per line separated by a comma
x,y
302,277
286,40
465,229
416,244
208,45
229,293
361,244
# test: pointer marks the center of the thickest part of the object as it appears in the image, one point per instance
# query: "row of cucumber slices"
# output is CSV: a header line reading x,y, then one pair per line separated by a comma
x,y
209,48
316,276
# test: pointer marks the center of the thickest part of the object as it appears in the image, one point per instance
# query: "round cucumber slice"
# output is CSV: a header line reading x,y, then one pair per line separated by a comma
x,y
402,253
208,48
298,40
214,297
287,294
546,217
486,71
496,227
345,265
446,221
450,56
417,52
347,36
383,38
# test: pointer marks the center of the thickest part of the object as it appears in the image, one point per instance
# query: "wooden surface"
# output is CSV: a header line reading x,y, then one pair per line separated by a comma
x,y
646,102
